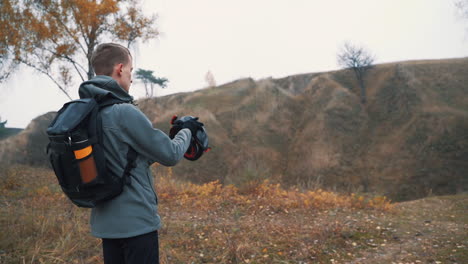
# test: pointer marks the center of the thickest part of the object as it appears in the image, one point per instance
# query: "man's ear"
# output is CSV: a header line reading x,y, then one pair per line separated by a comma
x,y
119,68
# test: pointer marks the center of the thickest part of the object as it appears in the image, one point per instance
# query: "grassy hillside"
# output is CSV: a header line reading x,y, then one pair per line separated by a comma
x,y
29,145
8,132
310,131
258,223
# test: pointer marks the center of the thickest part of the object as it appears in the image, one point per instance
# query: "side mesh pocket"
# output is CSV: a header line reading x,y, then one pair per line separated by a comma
x,y
64,165
84,157
86,164
57,166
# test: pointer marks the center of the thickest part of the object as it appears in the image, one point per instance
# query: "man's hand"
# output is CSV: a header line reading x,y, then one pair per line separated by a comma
x,y
191,123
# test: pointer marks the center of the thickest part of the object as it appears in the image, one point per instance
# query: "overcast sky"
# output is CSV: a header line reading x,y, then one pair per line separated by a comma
x,y
260,39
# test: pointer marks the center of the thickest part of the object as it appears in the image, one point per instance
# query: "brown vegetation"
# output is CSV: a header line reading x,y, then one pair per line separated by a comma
x,y
311,131
258,223
29,146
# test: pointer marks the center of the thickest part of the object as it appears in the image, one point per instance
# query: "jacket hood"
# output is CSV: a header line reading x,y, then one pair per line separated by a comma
x,y
102,86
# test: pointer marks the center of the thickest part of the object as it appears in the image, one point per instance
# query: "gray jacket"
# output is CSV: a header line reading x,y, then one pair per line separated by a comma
x,y
135,211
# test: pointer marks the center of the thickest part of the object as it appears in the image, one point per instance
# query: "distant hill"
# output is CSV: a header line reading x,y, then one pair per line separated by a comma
x,y
311,131
6,132
28,146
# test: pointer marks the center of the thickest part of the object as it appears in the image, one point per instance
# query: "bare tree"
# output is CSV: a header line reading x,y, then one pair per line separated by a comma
x,y
360,61
462,9
210,80
462,6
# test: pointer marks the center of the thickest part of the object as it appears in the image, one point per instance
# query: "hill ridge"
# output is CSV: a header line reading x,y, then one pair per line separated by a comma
x,y
310,130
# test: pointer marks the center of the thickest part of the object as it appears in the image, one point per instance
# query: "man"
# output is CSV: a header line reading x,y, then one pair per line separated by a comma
x,y
128,223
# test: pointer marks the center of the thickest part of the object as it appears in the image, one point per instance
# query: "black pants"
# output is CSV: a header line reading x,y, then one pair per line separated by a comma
x,y
143,249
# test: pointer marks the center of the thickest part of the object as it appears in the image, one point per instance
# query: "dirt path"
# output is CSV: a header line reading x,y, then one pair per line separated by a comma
x,y
432,230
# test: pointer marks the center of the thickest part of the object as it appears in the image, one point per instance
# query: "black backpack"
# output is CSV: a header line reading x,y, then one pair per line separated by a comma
x,y
76,153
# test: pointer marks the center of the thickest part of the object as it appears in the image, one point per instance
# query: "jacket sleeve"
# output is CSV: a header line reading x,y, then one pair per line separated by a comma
x,y
138,132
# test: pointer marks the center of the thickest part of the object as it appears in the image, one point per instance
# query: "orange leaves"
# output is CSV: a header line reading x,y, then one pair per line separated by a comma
x,y
133,24
96,17
7,30
46,35
65,49
207,196
262,197
90,15
378,202
37,26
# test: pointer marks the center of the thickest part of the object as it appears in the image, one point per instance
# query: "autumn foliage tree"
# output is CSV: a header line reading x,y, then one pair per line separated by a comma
x,y
57,37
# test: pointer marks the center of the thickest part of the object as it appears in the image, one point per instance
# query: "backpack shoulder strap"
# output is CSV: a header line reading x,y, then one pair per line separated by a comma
x,y
131,154
108,99
102,103
109,102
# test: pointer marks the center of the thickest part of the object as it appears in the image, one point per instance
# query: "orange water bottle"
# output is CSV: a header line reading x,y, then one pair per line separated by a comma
x,y
85,158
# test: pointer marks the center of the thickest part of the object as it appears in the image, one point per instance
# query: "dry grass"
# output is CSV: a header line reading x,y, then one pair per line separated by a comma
x,y
38,224
210,223
311,130
261,223
258,223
